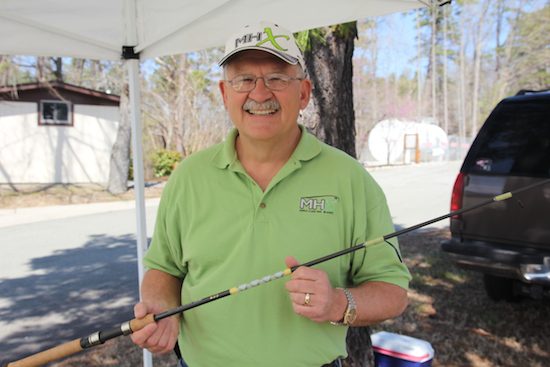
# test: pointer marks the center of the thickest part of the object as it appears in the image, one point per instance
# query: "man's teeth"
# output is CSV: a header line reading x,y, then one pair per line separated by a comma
x,y
261,112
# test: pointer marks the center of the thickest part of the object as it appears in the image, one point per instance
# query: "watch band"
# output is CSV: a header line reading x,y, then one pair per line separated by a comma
x,y
351,310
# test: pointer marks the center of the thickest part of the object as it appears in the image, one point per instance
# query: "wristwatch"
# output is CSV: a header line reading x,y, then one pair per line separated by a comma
x,y
351,311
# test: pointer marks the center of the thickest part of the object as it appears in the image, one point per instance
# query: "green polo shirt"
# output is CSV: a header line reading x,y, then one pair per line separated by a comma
x,y
217,229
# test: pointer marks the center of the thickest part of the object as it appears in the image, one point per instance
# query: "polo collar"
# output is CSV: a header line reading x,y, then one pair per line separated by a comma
x,y
308,148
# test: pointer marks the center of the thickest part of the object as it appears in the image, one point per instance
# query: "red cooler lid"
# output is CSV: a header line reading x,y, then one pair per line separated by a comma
x,y
402,346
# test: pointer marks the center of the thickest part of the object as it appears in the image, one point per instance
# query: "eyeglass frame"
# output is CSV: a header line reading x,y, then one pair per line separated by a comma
x,y
285,78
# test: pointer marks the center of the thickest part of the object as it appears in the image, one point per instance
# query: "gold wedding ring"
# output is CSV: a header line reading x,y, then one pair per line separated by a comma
x,y
307,299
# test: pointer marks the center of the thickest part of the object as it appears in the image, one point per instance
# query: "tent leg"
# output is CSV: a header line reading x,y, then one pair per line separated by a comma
x,y
139,180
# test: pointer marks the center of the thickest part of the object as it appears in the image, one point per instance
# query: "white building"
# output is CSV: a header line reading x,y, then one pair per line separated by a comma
x,y
56,133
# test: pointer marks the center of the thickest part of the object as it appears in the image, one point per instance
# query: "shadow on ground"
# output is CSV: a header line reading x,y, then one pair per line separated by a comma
x,y
71,294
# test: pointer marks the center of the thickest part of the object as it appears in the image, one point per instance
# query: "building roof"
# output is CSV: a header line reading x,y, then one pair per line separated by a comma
x,y
56,90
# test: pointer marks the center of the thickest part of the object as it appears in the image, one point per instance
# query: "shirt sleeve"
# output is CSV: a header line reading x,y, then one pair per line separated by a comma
x,y
381,261
165,252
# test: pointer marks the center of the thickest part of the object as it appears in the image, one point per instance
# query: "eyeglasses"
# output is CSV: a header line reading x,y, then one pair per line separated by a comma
x,y
274,82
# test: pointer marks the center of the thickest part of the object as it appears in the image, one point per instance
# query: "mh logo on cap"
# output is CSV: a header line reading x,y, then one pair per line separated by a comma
x,y
247,38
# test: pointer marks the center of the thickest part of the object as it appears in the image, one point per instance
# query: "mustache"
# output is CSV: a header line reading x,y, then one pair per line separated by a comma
x,y
270,104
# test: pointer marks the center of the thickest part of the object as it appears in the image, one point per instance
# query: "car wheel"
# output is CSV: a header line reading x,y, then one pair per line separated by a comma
x,y
499,288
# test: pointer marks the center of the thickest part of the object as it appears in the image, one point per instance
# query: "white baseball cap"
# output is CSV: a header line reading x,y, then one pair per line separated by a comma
x,y
264,36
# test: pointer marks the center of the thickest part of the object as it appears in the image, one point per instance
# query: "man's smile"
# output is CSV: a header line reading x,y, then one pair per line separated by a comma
x,y
265,108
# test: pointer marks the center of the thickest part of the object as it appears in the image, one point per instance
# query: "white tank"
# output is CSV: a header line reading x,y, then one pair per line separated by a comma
x,y
386,141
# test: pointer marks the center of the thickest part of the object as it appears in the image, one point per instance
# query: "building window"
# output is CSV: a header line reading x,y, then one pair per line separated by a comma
x,y
55,113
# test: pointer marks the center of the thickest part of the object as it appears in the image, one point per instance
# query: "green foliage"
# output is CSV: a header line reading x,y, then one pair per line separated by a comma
x,y
11,74
165,161
530,51
305,38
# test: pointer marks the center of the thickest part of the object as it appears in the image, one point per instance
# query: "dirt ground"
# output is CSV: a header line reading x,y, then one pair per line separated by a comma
x,y
22,196
448,306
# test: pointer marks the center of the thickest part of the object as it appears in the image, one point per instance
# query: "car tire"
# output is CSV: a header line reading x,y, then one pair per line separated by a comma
x,y
501,289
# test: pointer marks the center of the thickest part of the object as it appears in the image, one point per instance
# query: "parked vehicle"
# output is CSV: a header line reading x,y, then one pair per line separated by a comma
x,y
508,241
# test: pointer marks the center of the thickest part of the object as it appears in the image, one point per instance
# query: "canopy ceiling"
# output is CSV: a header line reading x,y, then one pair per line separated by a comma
x,y
98,29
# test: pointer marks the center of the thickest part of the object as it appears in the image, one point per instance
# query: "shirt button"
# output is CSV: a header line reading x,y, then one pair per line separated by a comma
x,y
262,205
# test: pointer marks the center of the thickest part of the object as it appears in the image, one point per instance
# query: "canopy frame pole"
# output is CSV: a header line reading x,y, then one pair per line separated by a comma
x,y
132,66
131,60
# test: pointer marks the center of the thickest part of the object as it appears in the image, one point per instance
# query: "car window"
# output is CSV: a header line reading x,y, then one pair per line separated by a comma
x,y
515,140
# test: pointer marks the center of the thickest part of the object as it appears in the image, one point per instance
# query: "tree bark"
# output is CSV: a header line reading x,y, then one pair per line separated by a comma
x,y
419,109
120,154
445,70
359,348
434,11
329,64
479,38
58,72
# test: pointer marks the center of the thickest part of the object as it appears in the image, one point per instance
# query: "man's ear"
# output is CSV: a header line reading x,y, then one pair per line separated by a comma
x,y
305,93
223,91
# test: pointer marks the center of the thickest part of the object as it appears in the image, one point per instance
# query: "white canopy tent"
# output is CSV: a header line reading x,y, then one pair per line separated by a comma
x,y
102,29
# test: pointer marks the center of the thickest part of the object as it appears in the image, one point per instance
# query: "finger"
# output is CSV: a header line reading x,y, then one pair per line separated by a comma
x,y
303,286
153,344
140,338
140,310
153,340
291,261
308,274
167,340
311,313
300,299
166,334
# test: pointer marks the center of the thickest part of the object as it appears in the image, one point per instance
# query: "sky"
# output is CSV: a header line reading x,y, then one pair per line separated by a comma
x,y
397,35
397,46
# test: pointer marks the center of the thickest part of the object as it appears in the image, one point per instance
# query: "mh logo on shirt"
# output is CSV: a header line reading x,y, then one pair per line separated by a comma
x,y
325,204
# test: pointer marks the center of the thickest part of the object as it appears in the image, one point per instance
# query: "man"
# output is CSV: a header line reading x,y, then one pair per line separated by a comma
x,y
270,195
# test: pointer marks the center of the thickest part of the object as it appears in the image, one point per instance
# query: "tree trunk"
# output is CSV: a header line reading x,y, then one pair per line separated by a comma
x,y
434,11
462,88
120,155
359,348
41,69
445,68
479,38
329,64
58,72
419,51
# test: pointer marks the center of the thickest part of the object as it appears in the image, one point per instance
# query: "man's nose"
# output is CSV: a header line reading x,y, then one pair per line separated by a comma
x,y
260,92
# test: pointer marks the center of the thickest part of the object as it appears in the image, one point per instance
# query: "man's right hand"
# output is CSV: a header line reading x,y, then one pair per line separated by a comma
x,y
159,337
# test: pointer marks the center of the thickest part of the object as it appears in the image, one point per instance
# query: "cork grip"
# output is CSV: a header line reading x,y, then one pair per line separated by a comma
x,y
138,324
39,359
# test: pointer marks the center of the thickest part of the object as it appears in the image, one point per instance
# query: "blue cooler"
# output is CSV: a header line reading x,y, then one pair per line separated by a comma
x,y
394,350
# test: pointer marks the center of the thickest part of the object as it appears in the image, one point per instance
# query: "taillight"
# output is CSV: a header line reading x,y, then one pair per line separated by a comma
x,y
458,191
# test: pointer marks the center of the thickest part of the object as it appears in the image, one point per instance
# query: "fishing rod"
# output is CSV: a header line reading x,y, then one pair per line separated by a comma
x,y
129,327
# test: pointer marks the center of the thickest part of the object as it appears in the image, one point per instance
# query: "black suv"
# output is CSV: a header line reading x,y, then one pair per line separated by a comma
x,y
508,241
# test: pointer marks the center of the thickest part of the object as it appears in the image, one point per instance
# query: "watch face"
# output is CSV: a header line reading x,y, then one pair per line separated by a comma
x,y
350,316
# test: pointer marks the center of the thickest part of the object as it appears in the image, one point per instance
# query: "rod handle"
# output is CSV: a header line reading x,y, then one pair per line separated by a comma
x,y
138,324
49,355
